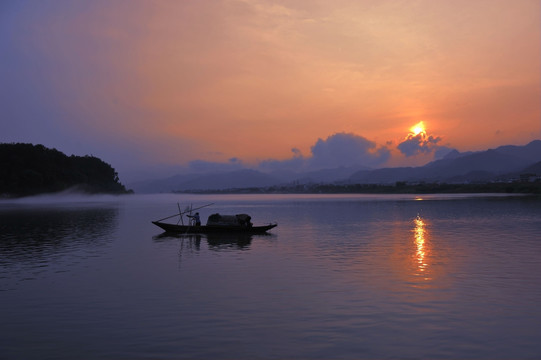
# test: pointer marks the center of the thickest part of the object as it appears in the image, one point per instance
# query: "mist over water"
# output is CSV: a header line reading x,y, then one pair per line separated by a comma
x,y
346,276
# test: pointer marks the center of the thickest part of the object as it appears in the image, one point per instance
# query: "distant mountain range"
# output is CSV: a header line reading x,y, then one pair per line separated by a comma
x,y
483,166
455,167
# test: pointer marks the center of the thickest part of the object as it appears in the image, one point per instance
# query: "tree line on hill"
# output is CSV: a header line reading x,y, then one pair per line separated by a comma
x,y
27,169
400,187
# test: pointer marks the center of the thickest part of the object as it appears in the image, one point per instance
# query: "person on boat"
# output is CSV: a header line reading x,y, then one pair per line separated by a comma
x,y
244,220
195,219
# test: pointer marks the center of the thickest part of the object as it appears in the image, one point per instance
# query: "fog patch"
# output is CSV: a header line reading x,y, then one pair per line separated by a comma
x,y
73,195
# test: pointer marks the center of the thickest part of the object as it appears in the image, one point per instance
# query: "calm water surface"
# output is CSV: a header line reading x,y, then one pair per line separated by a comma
x,y
341,277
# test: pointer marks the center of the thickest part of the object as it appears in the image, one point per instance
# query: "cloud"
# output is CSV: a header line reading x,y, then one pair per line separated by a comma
x,y
294,163
346,149
203,166
337,150
418,144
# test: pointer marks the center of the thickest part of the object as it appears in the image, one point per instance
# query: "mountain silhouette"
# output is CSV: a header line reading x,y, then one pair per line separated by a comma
x,y
216,181
481,166
229,180
533,169
477,166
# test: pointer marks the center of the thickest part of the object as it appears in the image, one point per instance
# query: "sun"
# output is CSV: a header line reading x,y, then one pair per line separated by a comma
x,y
418,128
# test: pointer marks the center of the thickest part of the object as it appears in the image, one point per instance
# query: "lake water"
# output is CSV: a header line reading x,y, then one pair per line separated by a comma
x,y
341,277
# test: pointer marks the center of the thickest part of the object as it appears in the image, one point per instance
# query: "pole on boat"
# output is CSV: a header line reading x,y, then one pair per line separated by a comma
x,y
189,211
197,208
165,218
180,213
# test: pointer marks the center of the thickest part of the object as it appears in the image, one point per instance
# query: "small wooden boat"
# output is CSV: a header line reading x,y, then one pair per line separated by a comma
x,y
212,229
216,223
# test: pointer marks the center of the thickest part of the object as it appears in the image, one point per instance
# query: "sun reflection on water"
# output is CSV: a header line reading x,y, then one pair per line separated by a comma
x,y
420,236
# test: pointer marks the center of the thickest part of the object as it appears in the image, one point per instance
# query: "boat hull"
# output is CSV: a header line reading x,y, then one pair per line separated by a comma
x,y
213,229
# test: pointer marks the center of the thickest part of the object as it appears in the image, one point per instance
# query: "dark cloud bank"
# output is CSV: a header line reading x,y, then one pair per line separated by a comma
x,y
338,150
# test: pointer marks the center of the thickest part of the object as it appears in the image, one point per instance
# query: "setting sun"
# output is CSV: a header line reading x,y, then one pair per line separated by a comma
x,y
418,128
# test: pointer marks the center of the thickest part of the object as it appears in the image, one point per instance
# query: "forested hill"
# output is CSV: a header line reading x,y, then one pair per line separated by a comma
x,y
27,169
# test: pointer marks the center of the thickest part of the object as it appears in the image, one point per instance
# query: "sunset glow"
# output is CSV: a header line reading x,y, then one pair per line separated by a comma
x,y
143,82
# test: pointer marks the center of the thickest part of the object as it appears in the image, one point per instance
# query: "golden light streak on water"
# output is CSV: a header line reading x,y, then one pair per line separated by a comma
x,y
420,236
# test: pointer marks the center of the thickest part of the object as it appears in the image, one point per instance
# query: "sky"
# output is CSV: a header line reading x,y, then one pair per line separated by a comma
x,y
300,84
